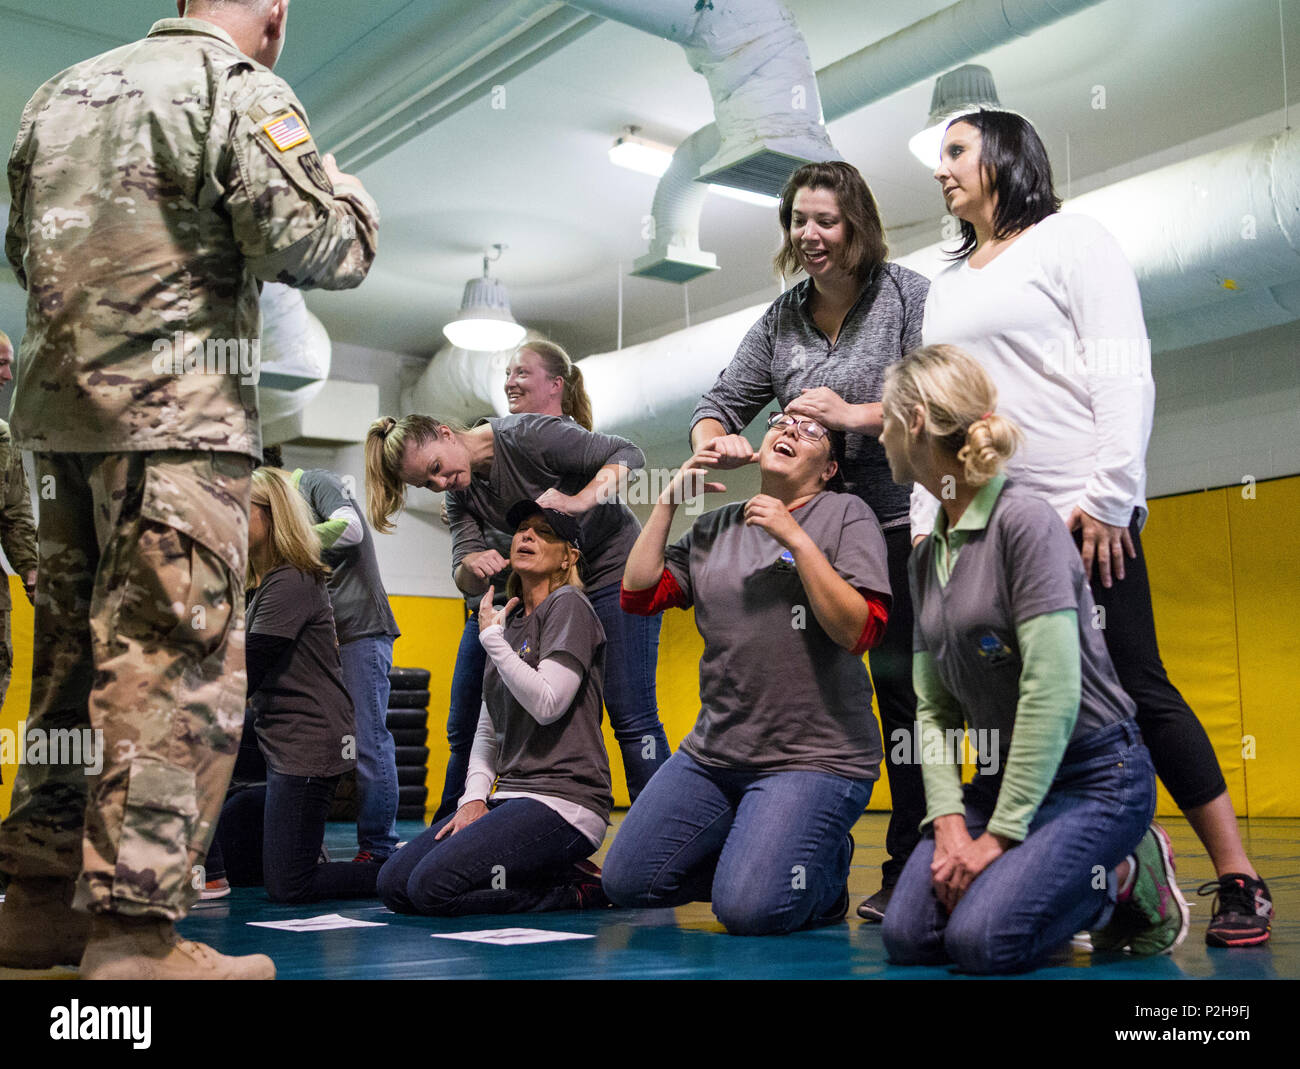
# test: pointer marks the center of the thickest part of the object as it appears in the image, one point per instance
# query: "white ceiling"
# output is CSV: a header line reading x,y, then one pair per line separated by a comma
x,y
535,175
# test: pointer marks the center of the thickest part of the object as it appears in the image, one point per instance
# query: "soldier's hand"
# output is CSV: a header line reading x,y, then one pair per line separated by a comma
x,y
335,175
29,586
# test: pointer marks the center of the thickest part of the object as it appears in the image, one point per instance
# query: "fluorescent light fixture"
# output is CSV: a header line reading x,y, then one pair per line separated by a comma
x,y
958,92
638,154
745,196
649,157
484,322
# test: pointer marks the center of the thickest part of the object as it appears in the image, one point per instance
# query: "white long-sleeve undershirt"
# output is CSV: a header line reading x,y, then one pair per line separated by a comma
x,y
546,693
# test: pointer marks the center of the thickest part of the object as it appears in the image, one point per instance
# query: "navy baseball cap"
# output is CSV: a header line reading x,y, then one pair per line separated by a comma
x,y
564,526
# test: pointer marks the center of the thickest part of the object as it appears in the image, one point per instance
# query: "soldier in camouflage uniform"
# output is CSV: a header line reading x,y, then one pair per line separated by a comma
x,y
152,187
17,529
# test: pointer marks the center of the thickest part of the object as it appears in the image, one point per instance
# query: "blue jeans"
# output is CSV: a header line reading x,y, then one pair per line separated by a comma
x,y
631,658
365,673
271,835
516,859
770,849
1059,881
462,719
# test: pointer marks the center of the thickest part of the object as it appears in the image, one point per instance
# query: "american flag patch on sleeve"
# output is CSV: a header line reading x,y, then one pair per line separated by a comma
x,y
286,131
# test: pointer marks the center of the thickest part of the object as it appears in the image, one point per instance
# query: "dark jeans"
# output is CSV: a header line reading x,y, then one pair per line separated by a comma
x,y
516,859
891,674
1029,901
1181,751
271,835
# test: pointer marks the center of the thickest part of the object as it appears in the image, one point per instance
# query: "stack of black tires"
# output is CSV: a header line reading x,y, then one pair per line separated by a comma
x,y
408,720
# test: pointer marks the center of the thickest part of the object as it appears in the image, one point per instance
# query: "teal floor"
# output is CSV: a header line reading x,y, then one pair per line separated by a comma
x,y
688,943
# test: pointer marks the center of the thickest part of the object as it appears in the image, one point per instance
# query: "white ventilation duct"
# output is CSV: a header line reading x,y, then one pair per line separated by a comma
x,y
768,114
1214,241
296,353
922,50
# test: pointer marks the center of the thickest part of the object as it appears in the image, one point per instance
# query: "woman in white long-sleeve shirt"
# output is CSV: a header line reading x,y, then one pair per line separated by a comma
x,y
519,849
1049,306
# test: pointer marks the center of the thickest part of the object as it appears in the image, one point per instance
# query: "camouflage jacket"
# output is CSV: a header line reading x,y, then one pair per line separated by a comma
x,y
17,529
152,187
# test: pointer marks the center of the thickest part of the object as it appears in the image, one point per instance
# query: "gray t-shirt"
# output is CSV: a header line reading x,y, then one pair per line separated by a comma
x,y
361,607
530,455
785,352
1022,565
303,713
776,692
565,758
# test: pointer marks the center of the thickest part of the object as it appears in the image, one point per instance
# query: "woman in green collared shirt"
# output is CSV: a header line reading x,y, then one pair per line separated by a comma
x,y
1054,827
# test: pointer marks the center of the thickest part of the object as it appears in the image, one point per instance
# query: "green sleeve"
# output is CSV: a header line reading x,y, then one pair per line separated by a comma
x,y
330,531
937,712
1045,718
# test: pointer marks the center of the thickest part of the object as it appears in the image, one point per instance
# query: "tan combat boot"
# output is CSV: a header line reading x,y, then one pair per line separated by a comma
x,y
39,929
148,948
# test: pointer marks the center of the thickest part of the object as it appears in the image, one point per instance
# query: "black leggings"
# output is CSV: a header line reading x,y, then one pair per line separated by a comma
x,y
1180,749
891,673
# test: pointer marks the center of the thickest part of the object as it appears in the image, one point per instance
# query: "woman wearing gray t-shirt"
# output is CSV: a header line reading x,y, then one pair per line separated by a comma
x,y
753,811
1053,830
520,847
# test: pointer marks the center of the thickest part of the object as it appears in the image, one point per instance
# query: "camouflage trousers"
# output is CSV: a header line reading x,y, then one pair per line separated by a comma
x,y
139,644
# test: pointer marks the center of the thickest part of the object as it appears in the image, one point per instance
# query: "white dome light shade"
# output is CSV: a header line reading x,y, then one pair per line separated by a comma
x,y
958,92
484,322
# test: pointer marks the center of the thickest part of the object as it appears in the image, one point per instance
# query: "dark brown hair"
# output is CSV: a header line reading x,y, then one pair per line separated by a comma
x,y
865,248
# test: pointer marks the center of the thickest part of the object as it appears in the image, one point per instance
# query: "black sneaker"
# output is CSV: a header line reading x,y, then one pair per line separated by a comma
x,y
872,909
1243,911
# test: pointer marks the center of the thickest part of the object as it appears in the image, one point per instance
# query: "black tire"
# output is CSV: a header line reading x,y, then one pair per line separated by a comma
x,y
400,719
412,796
408,699
410,812
410,776
408,678
408,756
411,736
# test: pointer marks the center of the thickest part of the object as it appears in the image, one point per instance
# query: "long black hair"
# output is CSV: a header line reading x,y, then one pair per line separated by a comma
x,y
1016,170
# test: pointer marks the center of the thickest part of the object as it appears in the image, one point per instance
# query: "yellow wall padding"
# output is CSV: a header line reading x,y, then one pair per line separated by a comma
x,y
1189,560
431,629
1266,575
19,697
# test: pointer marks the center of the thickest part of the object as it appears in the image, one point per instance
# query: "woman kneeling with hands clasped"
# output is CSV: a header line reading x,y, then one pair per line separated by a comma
x,y
1019,859
789,588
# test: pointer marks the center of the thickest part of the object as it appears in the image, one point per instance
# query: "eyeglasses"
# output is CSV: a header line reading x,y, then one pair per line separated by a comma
x,y
805,428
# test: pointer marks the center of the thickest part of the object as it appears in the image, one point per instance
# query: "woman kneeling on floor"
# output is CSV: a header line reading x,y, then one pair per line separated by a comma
x,y
1037,846
790,588
299,706
523,848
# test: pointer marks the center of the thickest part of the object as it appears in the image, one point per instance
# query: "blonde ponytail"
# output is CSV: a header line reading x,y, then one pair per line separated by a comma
x,y
387,441
958,399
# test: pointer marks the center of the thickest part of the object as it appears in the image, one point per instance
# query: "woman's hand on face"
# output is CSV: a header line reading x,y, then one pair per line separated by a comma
x,y
825,406
562,503
1104,544
485,564
728,451
465,816
688,482
490,616
772,516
